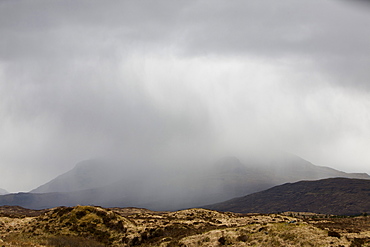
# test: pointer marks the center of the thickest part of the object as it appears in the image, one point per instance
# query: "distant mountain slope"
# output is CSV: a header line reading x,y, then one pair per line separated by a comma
x,y
235,178
169,187
3,192
85,175
227,178
339,196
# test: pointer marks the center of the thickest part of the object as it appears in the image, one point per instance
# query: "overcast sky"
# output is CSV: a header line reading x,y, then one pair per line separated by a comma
x,y
85,79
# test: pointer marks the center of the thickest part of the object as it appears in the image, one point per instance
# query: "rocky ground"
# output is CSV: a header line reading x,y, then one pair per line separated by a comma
x,y
95,226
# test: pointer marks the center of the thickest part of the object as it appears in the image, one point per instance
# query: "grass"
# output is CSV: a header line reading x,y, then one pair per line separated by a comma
x,y
72,241
94,226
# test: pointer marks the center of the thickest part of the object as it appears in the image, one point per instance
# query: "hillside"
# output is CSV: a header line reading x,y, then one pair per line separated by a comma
x,y
340,196
96,226
234,177
87,174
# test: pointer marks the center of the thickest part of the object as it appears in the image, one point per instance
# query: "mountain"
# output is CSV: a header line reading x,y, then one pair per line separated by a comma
x,y
169,187
87,174
234,178
229,177
339,196
3,192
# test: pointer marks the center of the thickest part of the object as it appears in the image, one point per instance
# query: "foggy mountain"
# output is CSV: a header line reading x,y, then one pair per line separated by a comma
x,y
338,196
3,192
85,175
256,173
112,184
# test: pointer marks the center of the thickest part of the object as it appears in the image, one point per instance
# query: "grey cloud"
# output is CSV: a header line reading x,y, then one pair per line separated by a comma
x,y
331,34
71,122
41,29
80,79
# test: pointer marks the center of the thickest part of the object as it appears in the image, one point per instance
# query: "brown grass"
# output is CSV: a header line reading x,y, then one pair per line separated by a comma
x,y
95,226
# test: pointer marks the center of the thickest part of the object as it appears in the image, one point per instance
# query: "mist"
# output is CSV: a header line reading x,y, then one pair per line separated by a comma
x,y
175,86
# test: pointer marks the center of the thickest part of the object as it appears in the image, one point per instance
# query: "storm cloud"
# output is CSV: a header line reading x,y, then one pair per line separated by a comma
x,y
85,79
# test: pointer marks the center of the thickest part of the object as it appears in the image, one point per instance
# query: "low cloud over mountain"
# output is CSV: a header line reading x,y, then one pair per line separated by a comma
x,y
110,184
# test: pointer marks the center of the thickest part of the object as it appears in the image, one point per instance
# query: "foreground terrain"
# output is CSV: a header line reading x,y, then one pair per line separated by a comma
x,y
96,226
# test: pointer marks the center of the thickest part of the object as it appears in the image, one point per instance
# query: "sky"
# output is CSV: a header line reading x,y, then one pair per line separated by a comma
x,y
85,79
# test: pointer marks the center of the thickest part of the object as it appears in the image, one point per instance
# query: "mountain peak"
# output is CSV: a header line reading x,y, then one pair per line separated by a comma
x,y
86,174
3,192
229,163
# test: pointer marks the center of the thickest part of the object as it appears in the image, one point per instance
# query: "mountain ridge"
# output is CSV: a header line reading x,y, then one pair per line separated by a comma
x,y
340,196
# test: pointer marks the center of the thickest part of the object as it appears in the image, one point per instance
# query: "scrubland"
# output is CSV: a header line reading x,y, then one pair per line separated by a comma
x,y
96,226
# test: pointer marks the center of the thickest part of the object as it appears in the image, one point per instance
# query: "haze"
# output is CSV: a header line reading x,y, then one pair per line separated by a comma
x,y
172,79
